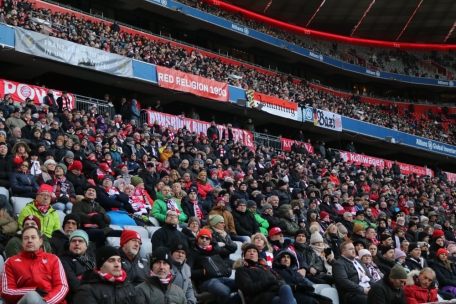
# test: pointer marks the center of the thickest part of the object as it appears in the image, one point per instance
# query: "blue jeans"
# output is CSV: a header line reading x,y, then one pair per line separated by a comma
x,y
63,207
284,296
221,287
31,297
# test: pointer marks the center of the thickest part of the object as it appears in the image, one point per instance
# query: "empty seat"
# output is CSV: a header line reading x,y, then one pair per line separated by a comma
x,y
331,293
320,287
61,215
113,241
19,203
115,227
154,221
2,264
5,192
142,231
146,248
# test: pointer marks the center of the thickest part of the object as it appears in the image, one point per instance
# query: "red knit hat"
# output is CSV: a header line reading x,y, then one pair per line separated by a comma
x,y
442,250
128,235
206,232
323,214
32,218
76,165
437,233
45,188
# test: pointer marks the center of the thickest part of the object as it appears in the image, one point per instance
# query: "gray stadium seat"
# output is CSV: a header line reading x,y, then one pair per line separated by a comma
x,y
151,230
61,215
19,203
142,231
331,293
154,221
5,192
320,287
146,248
241,295
113,241
116,227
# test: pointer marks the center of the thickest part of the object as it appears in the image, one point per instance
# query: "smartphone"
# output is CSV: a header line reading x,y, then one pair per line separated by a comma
x,y
327,251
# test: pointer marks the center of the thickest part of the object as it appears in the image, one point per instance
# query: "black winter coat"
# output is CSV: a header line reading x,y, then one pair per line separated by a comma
x,y
136,270
383,264
80,182
6,167
57,241
95,290
284,196
274,221
245,223
73,270
150,180
120,200
189,210
230,246
166,236
443,275
23,183
382,292
334,242
206,264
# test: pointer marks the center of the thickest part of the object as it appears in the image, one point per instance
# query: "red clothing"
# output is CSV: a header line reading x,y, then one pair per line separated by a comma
x,y
26,271
334,179
203,190
415,294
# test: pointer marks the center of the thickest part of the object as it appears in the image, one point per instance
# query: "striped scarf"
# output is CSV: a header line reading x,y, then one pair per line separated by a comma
x,y
163,281
110,278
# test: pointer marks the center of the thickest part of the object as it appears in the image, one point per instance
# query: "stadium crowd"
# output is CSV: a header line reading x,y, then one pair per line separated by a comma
x,y
111,38
297,219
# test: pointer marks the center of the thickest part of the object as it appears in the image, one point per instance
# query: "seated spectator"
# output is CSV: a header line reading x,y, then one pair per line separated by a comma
x,y
6,166
399,258
107,281
445,271
244,221
263,224
322,254
389,290
101,173
264,248
115,203
41,208
193,207
168,232
287,216
365,257
79,181
420,287
47,171
204,187
165,203
139,200
222,237
63,195
15,243
22,182
76,261
177,191
220,209
135,266
277,240
258,282
209,271
181,271
353,279
70,224
8,226
150,178
334,239
158,286
24,282
273,220
94,219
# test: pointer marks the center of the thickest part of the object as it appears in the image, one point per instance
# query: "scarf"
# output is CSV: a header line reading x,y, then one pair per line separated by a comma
x,y
222,233
374,273
318,249
221,152
108,277
171,205
208,247
42,209
164,281
198,213
66,102
171,135
63,186
84,260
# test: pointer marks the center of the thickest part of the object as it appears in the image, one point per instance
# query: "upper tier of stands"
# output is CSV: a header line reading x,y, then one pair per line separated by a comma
x,y
84,29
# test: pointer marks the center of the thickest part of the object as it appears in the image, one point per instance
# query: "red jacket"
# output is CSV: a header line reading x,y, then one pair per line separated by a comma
x,y
415,294
203,190
26,271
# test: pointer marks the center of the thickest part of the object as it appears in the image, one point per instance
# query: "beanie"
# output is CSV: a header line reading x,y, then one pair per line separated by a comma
x,y
437,233
32,218
68,154
192,189
315,237
267,206
384,237
82,234
136,180
64,168
442,250
398,272
214,219
179,244
424,218
45,188
437,227
422,235
161,254
251,204
206,232
363,252
104,167
342,228
220,199
76,165
251,246
128,235
193,219
49,161
300,231
274,231
72,216
323,214
398,253
104,253
411,224
385,249
357,228
412,246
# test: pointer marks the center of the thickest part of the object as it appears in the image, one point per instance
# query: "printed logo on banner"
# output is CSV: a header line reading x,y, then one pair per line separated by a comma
x,y
246,31
164,2
329,120
430,145
451,83
25,91
308,114
28,41
377,73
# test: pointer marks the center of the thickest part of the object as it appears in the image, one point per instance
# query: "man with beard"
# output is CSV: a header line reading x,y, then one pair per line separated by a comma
x,y
75,261
385,257
132,263
159,287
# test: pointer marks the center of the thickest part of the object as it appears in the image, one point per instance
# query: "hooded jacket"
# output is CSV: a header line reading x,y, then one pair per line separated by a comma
x,y
292,226
415,294
227,216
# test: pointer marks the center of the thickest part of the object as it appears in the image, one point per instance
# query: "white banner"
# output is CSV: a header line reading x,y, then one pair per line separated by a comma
x,y
328,120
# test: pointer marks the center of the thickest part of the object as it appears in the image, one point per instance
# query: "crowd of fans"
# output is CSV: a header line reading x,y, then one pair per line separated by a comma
x,y
111,38
302,219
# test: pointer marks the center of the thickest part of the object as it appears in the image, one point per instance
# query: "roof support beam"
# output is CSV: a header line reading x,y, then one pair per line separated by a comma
x,y
361,20
267,6
449,33
410,19
318,9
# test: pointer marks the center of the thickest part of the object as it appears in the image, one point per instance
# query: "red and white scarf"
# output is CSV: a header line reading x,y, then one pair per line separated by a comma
x,y
221,152
198,213
171,135
42,209
110,278
163,281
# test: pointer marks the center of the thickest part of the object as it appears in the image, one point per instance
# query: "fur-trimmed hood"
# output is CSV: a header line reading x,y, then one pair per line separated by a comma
x,y
238,264
410,277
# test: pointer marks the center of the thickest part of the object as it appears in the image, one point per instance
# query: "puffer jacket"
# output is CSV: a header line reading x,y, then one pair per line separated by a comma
x,y
245,223
204,187
207,264
227,216
230,246
443,275
80,183
8,225
262,223
160,208
84,207
28,270
257,281
284,196
95,290
288,274
152,291
292,226
50,221
23,183
74,270
136,270
415,294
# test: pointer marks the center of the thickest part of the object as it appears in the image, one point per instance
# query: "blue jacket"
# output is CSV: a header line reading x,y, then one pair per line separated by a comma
x,y
23,182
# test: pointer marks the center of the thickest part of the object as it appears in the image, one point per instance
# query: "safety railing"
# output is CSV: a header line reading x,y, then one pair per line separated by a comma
x,y
267,140
86,103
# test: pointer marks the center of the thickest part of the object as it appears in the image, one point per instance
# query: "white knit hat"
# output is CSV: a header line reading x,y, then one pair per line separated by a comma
x,y
363,252
315,236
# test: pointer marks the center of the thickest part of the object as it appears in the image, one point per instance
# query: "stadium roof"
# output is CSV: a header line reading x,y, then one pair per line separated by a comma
x,y
430,20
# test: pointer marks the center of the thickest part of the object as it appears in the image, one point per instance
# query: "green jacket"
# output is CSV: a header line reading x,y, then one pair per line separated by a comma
x,y
152,291
50,222
364,223
264,225
160,208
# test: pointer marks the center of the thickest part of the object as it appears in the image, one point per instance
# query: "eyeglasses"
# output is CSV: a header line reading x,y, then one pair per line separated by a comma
x,y
45,195
204,237
171,215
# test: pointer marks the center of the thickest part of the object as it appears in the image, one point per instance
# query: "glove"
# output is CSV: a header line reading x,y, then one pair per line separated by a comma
x,y
221,244
304,287
41,292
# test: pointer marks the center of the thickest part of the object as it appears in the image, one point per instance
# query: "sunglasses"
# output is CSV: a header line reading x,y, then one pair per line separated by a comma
x,y
204,237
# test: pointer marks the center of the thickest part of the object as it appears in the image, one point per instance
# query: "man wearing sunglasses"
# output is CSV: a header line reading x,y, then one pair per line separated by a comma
x,y
209,271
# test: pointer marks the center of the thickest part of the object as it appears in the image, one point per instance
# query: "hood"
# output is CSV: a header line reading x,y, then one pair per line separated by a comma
x,y
294,193
283,211
280,254
258,199
238,264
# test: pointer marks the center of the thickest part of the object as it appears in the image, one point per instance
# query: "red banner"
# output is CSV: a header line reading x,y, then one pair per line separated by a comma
x,y
179,81
165,120
451,177
409,169
287,143
20,91
361,159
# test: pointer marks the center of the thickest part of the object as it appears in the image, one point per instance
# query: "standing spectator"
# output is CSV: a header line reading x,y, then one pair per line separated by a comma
x,y
396,169
249,125
211,131
6,166
134,111
125,110
50,101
